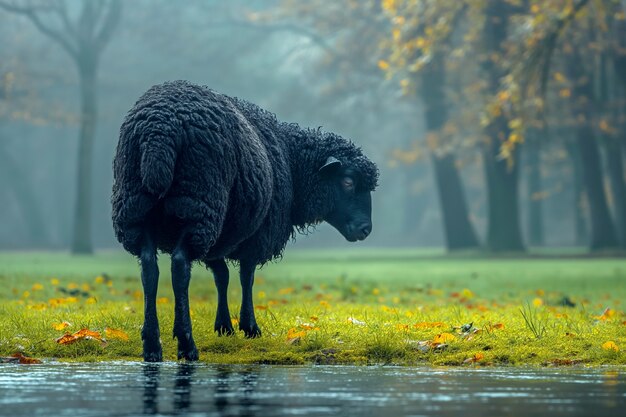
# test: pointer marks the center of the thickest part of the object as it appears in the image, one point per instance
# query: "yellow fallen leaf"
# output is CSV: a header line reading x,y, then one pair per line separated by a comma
x,y
607,314
21,359
443,338
294,333
61,326
476,358
610,345
116,334
69,338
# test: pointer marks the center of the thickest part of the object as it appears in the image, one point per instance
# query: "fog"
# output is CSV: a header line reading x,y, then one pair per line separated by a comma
x,y
325,65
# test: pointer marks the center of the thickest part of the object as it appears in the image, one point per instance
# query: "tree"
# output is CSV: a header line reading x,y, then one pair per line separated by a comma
x,y
83,38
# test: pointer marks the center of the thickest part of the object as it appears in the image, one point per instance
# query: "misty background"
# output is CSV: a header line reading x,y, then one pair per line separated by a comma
x,y
318,65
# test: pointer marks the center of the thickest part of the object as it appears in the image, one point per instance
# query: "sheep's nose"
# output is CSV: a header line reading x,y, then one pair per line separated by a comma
x,y
365,229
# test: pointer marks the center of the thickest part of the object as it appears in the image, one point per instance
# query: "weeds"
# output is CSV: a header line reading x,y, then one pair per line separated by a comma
x,y
534,322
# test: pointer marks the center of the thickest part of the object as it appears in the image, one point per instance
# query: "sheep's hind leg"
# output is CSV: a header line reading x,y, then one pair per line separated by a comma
x,y
181,275
247,321
150,335
223,324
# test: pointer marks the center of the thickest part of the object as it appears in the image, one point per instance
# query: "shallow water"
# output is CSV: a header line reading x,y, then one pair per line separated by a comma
x,y
135,389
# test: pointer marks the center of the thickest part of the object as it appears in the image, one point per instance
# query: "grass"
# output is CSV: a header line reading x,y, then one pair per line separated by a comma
x,y
365,306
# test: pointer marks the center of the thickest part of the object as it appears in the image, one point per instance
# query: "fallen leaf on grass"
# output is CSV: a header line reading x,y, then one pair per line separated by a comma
x,y
443,338
428,345
607,314
295,333
19,358
86,334
294,341
476,358
116,334
61,326
610,345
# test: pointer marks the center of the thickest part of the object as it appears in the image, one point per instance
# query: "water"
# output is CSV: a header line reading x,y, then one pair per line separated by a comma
x,y
136,389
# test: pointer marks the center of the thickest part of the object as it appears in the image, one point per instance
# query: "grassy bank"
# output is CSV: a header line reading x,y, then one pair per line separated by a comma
x,y
367,306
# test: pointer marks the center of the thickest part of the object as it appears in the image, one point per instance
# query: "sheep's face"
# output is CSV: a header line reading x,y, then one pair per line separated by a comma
x,y
352,209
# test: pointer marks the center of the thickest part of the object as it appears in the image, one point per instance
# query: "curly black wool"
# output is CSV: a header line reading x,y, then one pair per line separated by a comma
x,y
238,180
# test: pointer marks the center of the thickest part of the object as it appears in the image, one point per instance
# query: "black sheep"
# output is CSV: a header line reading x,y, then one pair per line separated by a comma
x,y
203,176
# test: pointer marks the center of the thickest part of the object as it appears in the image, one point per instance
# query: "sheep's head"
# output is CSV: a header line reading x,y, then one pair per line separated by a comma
x,y
351,213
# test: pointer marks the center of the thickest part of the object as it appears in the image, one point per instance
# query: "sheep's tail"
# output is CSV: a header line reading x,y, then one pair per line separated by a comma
x,y
158,158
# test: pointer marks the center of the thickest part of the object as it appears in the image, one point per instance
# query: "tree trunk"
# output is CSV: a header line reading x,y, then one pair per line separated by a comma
x,y
81,242
458,229
503,230
602,232
581,234
503,227
534,189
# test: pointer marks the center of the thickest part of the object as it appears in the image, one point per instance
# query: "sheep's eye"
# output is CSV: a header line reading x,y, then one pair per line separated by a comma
x,y
348,183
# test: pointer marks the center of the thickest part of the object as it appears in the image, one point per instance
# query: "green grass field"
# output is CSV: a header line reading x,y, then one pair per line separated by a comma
x,y
360,306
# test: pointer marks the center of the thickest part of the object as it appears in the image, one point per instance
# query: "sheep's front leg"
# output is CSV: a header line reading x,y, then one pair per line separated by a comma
x,y
150,280
223,324
181,275
247,321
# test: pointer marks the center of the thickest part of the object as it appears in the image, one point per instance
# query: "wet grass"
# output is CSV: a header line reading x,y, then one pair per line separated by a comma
x,y
333,307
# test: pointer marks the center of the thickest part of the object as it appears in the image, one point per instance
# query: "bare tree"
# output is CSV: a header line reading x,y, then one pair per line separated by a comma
x,y
83,36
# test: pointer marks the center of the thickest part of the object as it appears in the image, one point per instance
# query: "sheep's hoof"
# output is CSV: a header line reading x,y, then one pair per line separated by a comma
x,y
189,354
152,355
187,348
224,329
252,332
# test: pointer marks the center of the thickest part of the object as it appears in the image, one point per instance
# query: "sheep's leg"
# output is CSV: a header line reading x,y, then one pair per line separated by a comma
x,y
247,321
223,325
181,275
150,279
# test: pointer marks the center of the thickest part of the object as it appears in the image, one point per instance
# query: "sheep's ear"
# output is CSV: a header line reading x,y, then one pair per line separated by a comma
x,y
331,165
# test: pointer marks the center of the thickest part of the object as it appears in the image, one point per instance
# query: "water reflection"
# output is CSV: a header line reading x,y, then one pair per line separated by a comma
x,y
137,389
233,389
182,387
151,374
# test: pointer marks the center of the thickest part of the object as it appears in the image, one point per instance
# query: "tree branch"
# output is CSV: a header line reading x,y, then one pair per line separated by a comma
x,y
111,20
32,14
